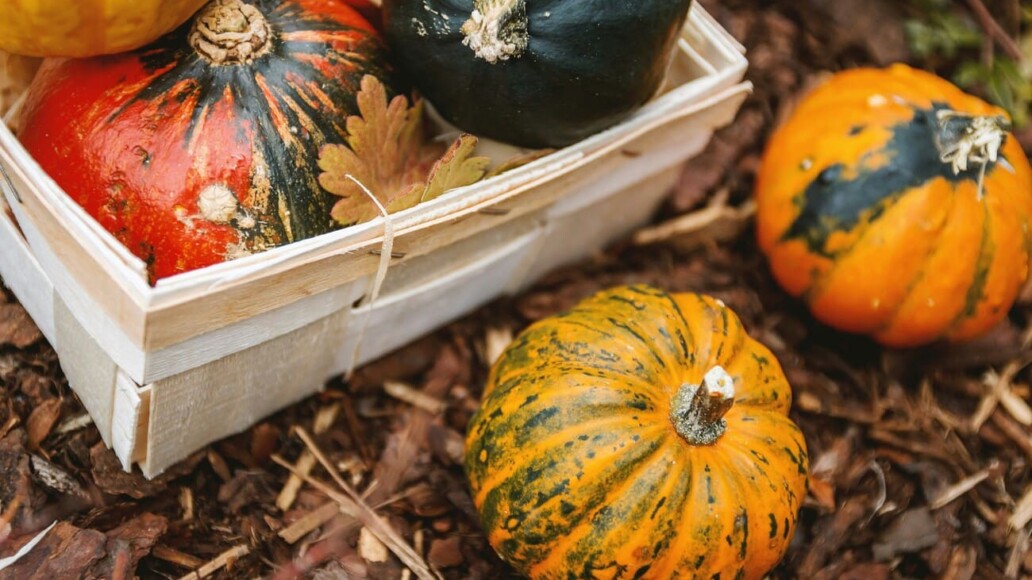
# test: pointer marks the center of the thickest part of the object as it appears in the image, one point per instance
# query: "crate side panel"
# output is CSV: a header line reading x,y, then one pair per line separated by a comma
x,y
575,236
90,372
228,340
192,409
125,418
24,276
406,316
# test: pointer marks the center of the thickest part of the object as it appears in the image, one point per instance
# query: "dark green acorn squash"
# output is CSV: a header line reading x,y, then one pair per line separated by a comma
x,y
535,73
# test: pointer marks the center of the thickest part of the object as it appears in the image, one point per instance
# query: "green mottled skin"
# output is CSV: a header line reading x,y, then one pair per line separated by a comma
x,y
578,471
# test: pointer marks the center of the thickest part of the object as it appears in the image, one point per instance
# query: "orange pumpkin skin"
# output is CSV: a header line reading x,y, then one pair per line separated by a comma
x,y
86,28
577,467
859,216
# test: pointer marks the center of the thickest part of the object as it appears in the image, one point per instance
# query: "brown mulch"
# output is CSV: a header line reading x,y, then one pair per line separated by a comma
x,y
921,459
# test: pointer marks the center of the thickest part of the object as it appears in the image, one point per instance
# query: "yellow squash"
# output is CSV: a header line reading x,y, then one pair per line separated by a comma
x,y
88,27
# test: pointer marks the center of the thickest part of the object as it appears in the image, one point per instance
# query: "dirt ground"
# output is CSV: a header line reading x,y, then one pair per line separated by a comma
x,y
921,458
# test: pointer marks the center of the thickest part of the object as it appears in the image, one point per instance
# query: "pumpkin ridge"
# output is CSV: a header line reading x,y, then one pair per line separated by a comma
x,y
759,379
755,557
702,313
627,364
591,498
736,456
937,247
869,228
555,441
976,292
670,507
735,335
552,442
933,249
699,495
627,480
673,512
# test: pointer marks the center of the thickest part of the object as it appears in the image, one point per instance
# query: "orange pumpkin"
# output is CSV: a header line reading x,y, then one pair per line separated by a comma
x,y
639,435
897,206
88,27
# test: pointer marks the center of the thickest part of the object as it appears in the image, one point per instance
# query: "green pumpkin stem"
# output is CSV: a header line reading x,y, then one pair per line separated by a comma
x,y
229,32
497,29
697,411
966,140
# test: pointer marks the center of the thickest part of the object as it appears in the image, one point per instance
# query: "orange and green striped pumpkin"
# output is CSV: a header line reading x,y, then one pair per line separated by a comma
x,y
897,206
639,435
203,147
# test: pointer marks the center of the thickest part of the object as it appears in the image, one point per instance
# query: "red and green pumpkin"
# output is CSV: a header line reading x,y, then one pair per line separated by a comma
x,y
897,206
639,435
203,146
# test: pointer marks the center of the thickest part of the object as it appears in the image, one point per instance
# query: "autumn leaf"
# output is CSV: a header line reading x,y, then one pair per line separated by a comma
x,y
518,161
456,168
388,154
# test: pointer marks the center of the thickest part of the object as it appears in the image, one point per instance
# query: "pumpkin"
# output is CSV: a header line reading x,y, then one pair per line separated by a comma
x,y
80,29
897,206
204,146
536,73
641,434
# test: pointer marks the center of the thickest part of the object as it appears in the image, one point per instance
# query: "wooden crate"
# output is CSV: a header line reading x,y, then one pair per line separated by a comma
x,y
165,370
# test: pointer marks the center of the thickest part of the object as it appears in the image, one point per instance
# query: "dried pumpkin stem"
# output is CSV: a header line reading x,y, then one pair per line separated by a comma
x,y
968,140
229,32
497,29
697,411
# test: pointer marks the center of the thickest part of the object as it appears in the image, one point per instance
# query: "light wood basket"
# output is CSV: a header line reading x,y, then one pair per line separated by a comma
x,y
165,370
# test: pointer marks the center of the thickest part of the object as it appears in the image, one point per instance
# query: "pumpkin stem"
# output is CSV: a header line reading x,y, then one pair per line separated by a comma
x,y
497,29
964,140
229,32
697,411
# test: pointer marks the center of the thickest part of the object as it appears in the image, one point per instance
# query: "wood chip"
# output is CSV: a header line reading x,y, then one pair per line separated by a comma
x,y
1022,512
1002,389
496,340
74,424
224,559
288,494
1017,556
264,439
370,547
963,563
56,478
41,421
414,397
218,465
16,327
958,489
186,503
1014,431
1016,406
445,553
325,418
310,522
716,222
